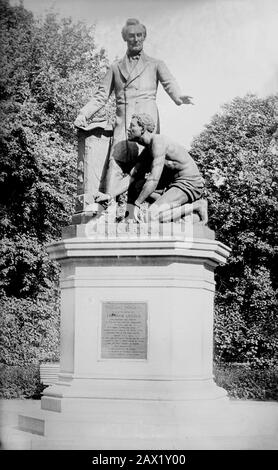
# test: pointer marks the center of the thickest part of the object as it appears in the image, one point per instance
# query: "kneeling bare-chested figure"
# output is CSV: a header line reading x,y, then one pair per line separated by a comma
x,y
165,175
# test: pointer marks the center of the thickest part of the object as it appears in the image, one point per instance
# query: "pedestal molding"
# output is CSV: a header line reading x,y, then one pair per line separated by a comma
x,y
83,247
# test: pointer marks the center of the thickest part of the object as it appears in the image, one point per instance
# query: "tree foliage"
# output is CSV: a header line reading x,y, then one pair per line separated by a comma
x,y
49,69
237,153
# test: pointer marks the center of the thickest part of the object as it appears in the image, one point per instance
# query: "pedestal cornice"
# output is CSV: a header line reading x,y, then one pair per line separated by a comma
x,y
90,248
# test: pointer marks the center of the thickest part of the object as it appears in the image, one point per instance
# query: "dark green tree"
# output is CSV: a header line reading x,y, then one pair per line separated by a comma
x,y
49,69
237,153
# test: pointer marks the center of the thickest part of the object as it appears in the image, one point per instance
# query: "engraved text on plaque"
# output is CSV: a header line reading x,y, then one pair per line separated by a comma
x,y
124,330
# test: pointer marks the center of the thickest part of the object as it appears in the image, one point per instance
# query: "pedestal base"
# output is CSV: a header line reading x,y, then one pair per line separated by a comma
x,y
136,343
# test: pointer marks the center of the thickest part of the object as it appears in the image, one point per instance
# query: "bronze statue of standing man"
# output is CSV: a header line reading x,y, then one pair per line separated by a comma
x,y
134,79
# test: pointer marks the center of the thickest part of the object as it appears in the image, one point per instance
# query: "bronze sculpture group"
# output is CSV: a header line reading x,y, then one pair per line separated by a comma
x,y
148,165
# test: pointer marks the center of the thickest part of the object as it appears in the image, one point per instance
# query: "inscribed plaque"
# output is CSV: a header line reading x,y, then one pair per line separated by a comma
x,y
124,330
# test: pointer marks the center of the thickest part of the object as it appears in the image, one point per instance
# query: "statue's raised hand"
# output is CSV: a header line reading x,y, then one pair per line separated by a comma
x,y
80,121
185,99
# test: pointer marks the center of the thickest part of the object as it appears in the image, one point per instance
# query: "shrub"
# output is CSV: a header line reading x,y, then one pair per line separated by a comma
x,y
245,382
20,381
29,330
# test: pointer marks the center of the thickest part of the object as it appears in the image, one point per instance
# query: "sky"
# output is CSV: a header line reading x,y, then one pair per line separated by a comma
x,y
216,49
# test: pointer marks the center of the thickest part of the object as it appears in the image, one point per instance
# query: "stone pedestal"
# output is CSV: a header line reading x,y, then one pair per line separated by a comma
x,y
136,341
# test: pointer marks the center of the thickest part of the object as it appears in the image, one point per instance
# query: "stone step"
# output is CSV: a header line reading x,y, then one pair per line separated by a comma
x,y
106,420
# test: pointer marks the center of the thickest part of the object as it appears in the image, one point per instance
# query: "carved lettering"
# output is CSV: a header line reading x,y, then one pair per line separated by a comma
x,y
124,330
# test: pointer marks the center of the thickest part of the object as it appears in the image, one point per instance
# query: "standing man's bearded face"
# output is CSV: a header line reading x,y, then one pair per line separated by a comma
x,y
135,37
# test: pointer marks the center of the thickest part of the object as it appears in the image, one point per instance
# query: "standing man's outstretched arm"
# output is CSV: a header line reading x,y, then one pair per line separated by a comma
x,y
170,85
